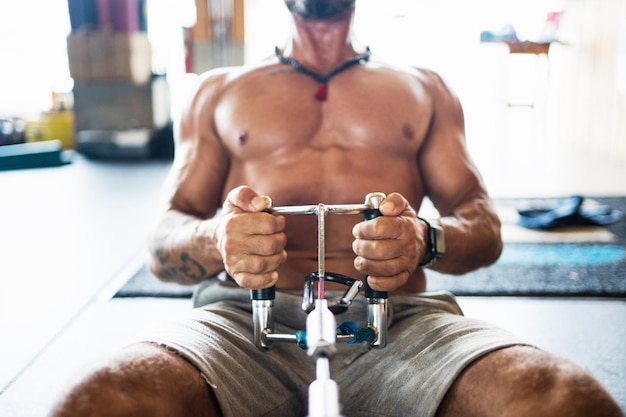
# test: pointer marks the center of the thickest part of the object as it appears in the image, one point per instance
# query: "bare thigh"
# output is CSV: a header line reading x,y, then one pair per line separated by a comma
x,y
525,381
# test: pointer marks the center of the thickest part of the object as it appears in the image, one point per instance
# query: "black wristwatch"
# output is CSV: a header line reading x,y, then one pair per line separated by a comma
x,y
436,243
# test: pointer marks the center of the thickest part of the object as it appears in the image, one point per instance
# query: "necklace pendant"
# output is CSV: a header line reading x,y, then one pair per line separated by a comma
x,y
321,92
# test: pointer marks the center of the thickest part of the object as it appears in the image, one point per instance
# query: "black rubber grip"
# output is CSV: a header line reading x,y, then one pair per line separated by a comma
x,y
370,214
263,293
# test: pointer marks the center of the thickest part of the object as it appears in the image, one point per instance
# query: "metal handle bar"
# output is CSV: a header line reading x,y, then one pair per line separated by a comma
x,y
314,209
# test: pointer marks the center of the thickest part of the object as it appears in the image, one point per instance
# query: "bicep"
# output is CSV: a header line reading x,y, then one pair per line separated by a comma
x,y
449,174
197,178
200,164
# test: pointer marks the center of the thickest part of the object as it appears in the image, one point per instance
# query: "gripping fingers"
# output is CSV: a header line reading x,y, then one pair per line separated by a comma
x,y
254,271
246,199
381,268
388,283
251,281
384,274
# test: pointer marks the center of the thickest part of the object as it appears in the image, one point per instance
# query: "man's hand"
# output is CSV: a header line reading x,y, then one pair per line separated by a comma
x,y
389,247
251,241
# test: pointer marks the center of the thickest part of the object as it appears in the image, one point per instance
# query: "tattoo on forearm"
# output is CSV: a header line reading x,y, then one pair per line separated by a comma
x,y
163,258
191,270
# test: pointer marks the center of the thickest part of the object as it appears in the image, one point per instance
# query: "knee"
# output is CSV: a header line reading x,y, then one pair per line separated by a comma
x,y
548,386
522,381
142,380
576,393
95,392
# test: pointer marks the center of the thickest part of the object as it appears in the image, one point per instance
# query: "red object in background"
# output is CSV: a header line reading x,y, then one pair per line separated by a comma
x,y
554,17
551,28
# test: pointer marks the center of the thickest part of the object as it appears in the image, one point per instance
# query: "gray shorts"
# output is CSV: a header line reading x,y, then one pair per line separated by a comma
x,y
429,343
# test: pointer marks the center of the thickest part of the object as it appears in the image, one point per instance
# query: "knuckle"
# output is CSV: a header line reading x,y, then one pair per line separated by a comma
x,y
380,250
229,245
375,250
231,225
228,258
377,226
231,254
259,264
279,222
359,263
277,244
397,226
264,248
403,248
386,269
265,223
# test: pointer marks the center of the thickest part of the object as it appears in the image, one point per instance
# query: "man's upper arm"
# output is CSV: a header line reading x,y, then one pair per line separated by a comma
x,y
201,161
449,175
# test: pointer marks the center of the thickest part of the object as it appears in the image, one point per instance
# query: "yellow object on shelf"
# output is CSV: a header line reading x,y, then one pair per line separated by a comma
x,y
52,125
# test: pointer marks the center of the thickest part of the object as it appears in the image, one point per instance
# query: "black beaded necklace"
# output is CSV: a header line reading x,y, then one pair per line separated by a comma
x,y
322,91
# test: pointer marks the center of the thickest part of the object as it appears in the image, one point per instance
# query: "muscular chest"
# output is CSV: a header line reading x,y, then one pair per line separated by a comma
x,y
265,114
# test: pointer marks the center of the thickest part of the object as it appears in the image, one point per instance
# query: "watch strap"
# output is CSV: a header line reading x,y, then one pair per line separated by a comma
x,y
431,243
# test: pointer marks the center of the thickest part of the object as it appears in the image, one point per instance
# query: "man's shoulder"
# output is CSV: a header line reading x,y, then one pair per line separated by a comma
x,y
423,75
229,74
208,88
430,79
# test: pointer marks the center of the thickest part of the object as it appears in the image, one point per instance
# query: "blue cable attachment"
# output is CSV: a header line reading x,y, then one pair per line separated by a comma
x,y
301,339
348,328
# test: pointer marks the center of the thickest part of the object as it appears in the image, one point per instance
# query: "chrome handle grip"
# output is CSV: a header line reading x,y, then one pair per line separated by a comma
x,y
263,315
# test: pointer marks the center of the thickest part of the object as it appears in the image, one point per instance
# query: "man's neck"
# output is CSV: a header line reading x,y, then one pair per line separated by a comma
x,y
322,44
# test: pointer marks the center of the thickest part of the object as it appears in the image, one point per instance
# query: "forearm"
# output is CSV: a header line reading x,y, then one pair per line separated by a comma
x,y
472,237
182,250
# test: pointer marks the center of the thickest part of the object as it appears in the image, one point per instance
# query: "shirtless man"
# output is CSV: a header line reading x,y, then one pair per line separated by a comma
x,y
274,129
